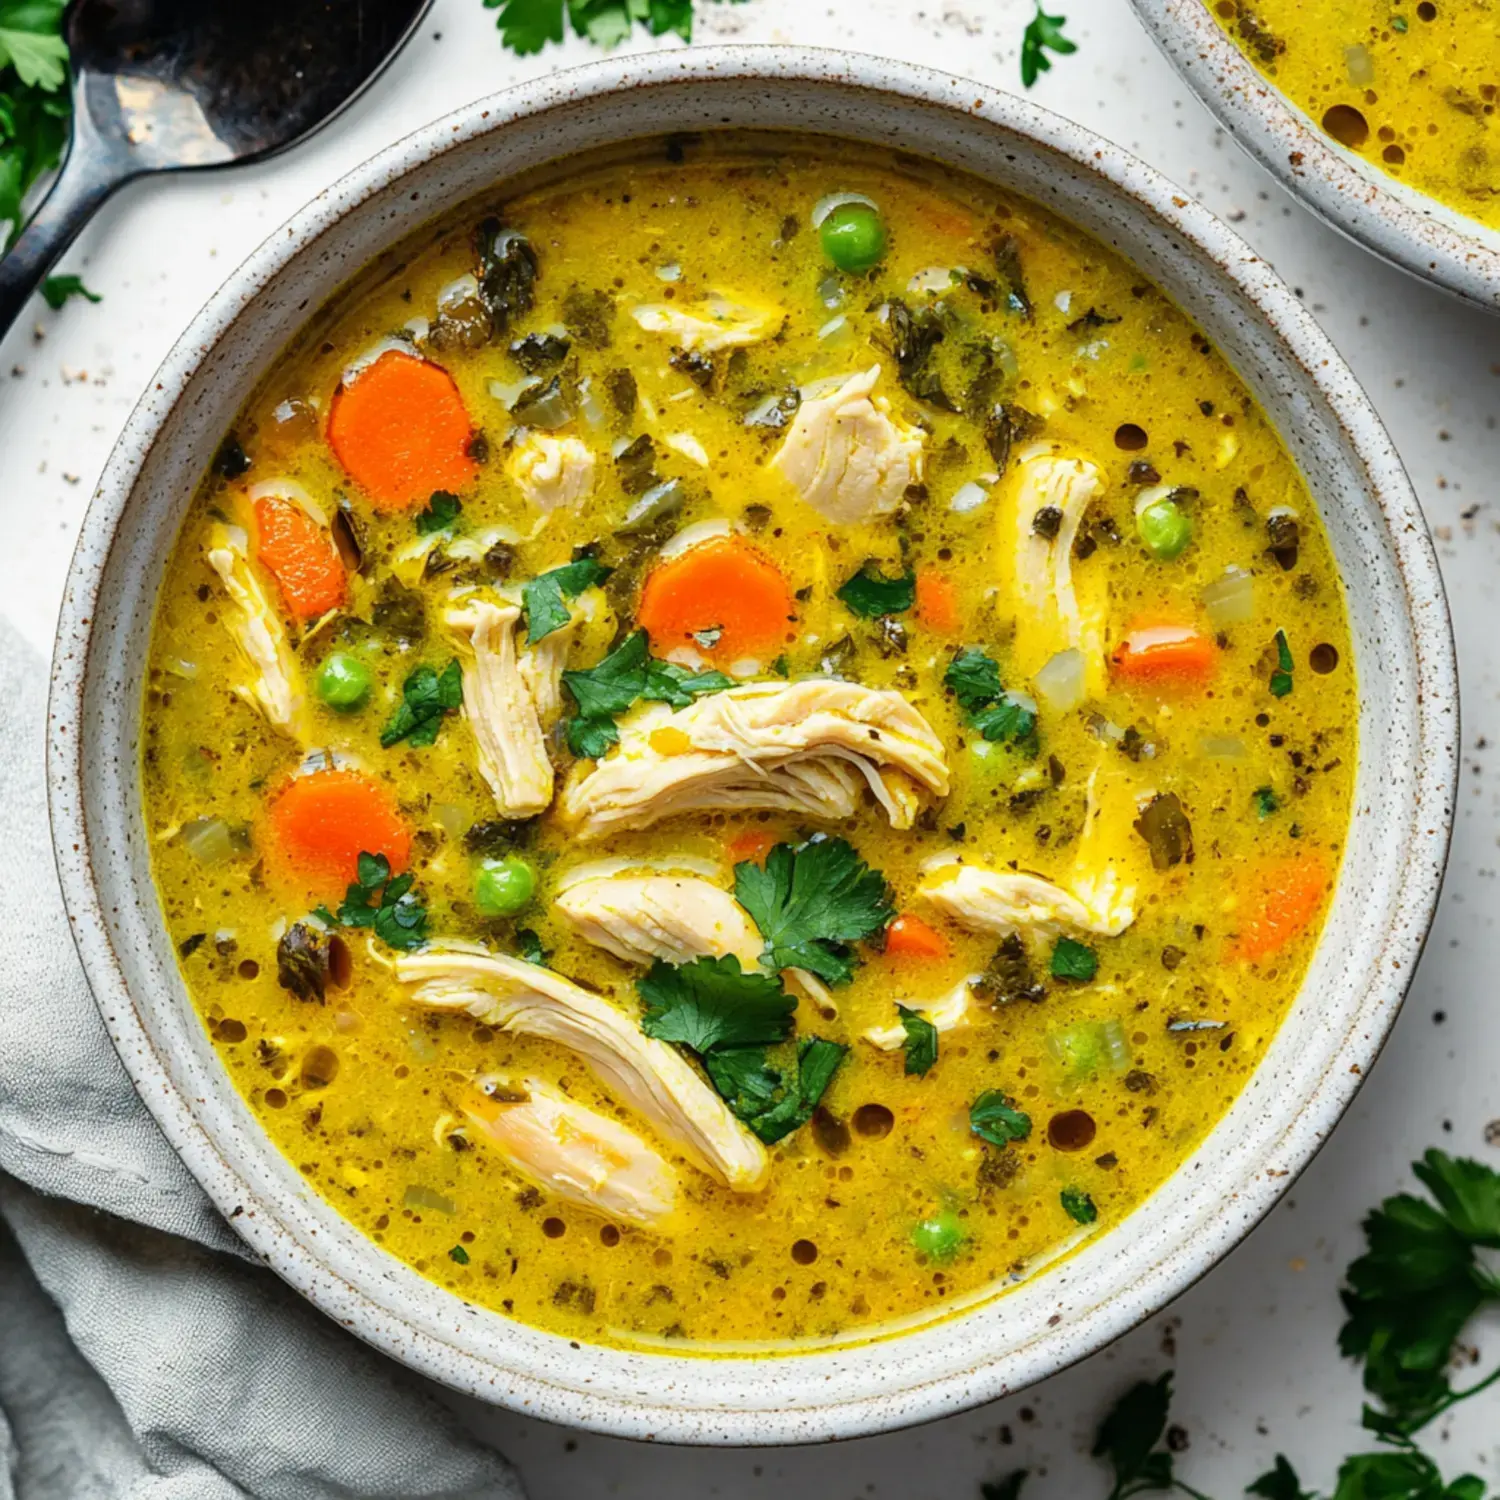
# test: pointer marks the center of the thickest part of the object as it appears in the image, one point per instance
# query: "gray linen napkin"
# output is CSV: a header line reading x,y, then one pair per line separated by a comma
x,y
142,1352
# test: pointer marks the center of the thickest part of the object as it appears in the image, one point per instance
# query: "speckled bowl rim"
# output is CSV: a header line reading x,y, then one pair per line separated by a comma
x,y
1433,242
935,1370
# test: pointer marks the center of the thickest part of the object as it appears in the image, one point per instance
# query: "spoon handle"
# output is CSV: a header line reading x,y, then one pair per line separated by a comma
x,y
87,178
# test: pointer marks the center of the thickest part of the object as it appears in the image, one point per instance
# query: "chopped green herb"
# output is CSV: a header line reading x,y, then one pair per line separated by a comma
x,y
546,596
529,947
459,1254
921,1041
1079,1205
1266,802
611,686
870,594
1281,678
390,906
811,901
1074,960
1129,1434
773,1103
1002,717
442,513
528,25
711,1004
57,289
1043,34
1399,24
1008,1488
426,696
993,1118
34,104
1280,1483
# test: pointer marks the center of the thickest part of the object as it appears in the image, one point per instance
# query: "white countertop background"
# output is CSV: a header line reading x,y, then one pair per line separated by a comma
x,y
1254,1342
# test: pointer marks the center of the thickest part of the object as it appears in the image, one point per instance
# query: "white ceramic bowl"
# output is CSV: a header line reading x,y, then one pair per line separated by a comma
x,y
1407,228
1379,915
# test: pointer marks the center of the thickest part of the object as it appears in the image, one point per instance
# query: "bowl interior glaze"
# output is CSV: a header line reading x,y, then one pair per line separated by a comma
x,y
1433,242
1380,914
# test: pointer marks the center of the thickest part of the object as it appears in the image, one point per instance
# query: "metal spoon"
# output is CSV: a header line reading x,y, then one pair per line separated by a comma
x,y
170,85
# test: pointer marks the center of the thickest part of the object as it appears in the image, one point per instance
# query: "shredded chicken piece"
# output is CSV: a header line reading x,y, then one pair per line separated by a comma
x,y
717,324
552,473
647,1075
573,1152
501,710
946,1013
1036,563
676,917
257,630
799,747
847,456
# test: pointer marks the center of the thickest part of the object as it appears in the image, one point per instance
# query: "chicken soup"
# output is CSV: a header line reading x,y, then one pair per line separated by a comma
x,y
1411,88
746,745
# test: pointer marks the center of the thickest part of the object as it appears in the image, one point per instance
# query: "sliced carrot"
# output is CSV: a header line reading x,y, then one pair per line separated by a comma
x,y
937,601
1165,652
751,847
401,431
300,555
724,598
320,824
911,937
1280,900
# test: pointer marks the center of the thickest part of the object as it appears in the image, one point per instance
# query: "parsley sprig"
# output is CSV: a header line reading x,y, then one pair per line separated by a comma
x,y
426,697
375,900
546,596
921,1043
628,673
34,103
528,25
1006,718
731,1019
870,594
810,902
1043,34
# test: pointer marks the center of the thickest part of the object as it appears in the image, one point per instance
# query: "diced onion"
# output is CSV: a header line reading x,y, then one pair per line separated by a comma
x,y
507,394
588,406
418,1196
208,840
452,819
1359,65
832,328
1230,600
934,279
179,667
694,536
830,291
1059,683
968,497
826,205
456,293
672,272
688,446
1222,747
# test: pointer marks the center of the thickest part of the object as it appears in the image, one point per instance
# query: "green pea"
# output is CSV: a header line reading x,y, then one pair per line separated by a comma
x,y
941,1237
853,236
502,887
1165,529
343,681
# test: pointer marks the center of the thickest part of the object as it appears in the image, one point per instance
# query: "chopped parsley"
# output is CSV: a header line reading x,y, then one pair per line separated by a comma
x,y
870,594
1043,34
529,947
1005,718
1281,677
427,696
1074,960
993,1118
1266,802
711,1004
1080,1207
34,102
57,289
376,900
442,513
528,25
546,596
774,1102
609,688
459,1254
921,1041
810,903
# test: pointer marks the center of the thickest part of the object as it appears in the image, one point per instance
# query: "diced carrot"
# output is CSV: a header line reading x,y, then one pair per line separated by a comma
x,y
751,847
724,598
911,937
401,431
300,555
321,823
1165,652
1280,901
937,601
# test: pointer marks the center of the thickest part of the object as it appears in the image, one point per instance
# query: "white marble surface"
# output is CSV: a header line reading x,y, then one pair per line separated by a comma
x,y
1254,1341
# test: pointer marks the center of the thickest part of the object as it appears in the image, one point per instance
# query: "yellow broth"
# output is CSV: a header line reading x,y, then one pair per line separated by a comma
x,y
1411,88
363,1093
